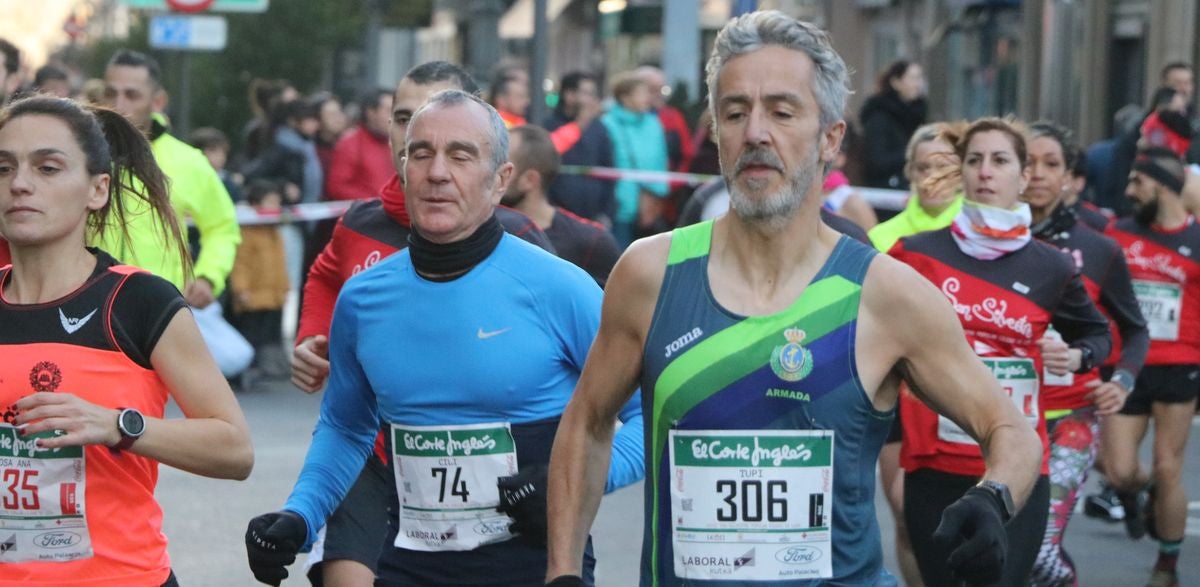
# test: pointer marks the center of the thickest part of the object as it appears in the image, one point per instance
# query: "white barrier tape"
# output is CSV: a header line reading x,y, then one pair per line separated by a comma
x,y
248,216
881,199
636,174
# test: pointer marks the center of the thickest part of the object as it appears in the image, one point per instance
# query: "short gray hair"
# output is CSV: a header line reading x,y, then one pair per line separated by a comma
x,y
756,30
497,132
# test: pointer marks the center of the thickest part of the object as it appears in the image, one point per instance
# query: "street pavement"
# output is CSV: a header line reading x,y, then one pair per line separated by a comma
x,y
205,519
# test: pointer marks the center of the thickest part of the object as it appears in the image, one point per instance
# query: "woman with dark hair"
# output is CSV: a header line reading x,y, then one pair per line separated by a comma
x,y
83,425
1075,404
333,124
1008,291
889,118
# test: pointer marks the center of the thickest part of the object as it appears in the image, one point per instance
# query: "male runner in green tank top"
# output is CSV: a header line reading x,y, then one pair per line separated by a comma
x,y
769,349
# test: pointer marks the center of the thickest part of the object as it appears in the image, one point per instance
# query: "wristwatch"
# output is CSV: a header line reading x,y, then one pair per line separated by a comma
x,y
1086,359
1124,379
1003,496
131,424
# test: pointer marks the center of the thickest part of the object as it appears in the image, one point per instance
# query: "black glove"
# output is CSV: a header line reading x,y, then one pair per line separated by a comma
x,y
566,581
974,527
272,541
523,498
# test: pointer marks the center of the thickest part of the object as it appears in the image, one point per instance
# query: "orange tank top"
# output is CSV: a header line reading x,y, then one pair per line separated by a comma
x,y
76,345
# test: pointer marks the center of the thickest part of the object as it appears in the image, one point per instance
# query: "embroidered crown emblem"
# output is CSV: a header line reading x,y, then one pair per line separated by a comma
x,y
791,361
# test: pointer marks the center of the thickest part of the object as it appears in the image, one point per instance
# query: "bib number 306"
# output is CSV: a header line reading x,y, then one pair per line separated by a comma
x,y
749,494
751,505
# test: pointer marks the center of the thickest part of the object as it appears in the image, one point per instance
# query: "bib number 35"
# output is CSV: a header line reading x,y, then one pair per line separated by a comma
x,y
21,490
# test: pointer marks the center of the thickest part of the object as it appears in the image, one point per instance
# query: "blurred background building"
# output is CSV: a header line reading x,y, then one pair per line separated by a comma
x,y
1076,61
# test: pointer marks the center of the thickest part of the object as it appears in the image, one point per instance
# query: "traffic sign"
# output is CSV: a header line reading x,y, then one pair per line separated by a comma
x,y
192,33
217,5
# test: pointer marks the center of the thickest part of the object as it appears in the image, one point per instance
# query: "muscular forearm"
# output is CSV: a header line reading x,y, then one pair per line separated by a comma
x,y
1013,454
578,470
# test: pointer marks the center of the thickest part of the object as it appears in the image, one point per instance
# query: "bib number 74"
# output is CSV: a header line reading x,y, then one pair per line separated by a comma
x,y
458,486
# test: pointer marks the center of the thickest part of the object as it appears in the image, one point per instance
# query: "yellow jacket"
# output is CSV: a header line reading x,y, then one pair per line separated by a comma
x,y
196,194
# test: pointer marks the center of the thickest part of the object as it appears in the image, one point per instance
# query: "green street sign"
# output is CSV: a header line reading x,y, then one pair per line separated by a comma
x,y
218,5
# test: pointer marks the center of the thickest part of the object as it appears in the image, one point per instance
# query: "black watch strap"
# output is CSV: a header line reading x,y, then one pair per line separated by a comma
x,y
1087,359
1003,497
128,437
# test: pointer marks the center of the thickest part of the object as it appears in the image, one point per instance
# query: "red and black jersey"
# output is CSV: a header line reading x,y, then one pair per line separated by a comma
x,y
1165,266
1005,306
96,343
585,243
1091,215
1101,263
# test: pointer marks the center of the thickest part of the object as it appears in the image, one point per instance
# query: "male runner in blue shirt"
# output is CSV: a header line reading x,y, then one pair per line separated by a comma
x,y
472,374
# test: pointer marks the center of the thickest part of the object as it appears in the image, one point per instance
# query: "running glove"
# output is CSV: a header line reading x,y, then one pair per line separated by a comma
x,y
566,581
272,541
523,498
974,527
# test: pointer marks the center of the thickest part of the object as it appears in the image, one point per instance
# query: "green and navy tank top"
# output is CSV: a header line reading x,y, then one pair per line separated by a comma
x,y
747,415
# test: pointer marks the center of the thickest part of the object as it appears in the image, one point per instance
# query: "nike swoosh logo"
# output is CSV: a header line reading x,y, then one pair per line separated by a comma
x,y
73,324
486,335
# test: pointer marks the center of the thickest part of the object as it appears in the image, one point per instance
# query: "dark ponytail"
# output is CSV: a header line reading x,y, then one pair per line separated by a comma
x,y
112,145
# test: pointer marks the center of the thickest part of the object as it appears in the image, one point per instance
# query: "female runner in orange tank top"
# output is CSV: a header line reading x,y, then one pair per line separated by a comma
x,y
92,349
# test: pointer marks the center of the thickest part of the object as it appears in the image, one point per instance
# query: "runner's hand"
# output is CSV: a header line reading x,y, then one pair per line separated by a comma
x,y
974,529
1056,355
83,422
566,581
272,541
1107,396
310,363
523,498
199,293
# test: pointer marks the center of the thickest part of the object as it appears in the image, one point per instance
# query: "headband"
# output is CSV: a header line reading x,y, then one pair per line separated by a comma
x,y
1155,170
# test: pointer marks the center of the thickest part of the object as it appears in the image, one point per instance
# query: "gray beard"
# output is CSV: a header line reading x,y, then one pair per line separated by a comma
x,y
775,210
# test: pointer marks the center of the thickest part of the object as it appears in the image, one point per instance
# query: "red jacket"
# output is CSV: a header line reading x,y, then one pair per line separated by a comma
x,y
361,163
681,149
5,257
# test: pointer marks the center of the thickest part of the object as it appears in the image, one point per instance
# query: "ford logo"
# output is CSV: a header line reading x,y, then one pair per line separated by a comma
x,y
57,539
798,555
492,527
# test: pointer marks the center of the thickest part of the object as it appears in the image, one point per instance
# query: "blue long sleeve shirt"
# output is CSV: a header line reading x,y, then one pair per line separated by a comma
x,y
506,342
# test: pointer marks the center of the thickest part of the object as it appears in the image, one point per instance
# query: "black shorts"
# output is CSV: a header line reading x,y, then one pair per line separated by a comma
x,y
358,528
1168,384
927,493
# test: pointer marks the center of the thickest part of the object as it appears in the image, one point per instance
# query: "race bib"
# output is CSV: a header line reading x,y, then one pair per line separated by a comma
x,y
446,481
1161,304
752,505
41,501
1018,378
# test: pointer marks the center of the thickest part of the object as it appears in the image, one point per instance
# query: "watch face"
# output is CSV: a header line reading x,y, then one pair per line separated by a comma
x,y
132,423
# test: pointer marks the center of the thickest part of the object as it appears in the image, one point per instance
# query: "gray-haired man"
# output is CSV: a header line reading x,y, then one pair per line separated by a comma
x,y
467,346
767,415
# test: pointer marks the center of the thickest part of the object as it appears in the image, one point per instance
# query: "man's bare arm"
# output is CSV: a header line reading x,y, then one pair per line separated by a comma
x,y
579,461
930,348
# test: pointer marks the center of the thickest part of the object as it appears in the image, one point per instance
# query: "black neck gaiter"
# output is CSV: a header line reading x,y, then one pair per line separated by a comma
x,y
437,262
1057,225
